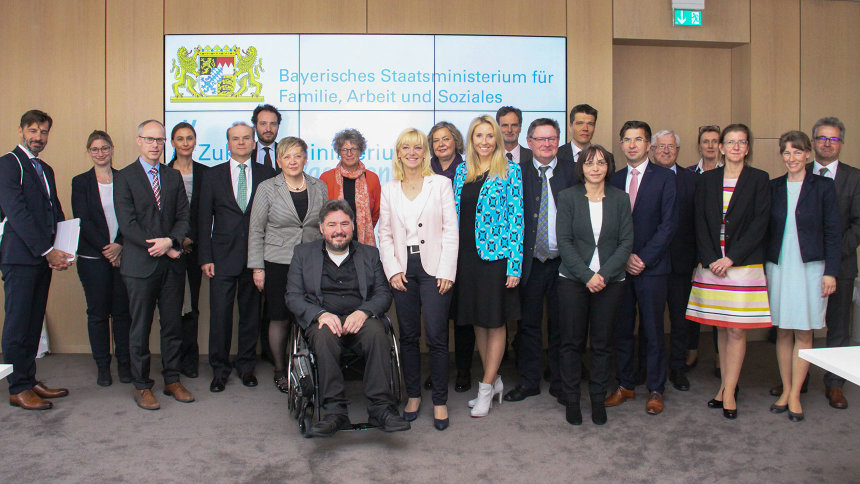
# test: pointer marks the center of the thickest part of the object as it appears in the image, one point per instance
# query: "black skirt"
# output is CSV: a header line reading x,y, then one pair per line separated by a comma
x,y
275,290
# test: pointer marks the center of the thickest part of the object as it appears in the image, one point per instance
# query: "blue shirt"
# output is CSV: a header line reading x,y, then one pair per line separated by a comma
x,y
146,167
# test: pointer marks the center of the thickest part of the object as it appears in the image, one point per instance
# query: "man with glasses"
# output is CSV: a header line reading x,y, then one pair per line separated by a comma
x,y
828,136
651,189
510,121
543,178
583,120
152,213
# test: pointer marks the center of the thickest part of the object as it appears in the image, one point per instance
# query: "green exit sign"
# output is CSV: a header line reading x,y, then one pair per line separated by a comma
x,y
687,17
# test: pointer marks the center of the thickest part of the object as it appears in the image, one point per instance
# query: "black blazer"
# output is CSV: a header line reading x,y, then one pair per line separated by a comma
x,y
275,166
87,206
817,219
562,177
746,218
848,193
223,227
140,219
197,171
682,249
655,216
32,214
576,236
304,295
565,154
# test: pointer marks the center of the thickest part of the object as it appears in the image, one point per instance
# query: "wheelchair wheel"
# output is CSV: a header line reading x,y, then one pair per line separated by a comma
x,y
396,373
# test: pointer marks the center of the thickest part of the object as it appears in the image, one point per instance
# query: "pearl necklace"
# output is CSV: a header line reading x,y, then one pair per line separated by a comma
x,y
295,189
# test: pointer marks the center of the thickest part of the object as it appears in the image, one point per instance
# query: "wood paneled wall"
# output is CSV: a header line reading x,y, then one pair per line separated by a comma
x,y
776,64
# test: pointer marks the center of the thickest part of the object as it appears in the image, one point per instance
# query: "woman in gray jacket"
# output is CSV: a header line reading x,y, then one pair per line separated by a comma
x,y
595,236
285,214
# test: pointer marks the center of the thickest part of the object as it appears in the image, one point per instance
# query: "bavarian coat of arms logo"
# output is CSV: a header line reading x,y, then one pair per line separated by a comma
x,y
217,74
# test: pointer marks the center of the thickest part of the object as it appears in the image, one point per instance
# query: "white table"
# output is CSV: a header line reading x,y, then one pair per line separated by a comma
x,y
844,361
5,370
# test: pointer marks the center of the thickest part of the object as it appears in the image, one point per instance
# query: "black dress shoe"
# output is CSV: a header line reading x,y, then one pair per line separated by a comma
x,y
520,393
427,383
463,383
559,396
795,417
329,425
389,420
573,414
730,414
598,410
104,379
124,372
190,372
679,380
249,380
217,384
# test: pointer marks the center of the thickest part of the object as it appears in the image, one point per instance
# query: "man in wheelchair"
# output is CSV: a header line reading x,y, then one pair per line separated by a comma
x,y
338,292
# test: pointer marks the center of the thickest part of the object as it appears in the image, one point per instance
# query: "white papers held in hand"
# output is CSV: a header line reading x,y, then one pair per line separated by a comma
x,y
68,232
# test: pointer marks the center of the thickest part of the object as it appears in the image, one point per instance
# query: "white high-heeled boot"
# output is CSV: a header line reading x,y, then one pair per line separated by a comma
x,y
483,401
498,388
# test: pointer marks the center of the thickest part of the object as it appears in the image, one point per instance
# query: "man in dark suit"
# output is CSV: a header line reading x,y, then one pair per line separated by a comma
x,y
665,146
225,214
30,210
583,120
655,217
339,293
266,121
152,212
828,136
543,178
510,121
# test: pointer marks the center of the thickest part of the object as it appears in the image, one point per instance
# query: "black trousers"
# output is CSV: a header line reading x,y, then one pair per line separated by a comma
x,y
648,294
26,296
838,320
540,285
107,299
165,289
222,293
677,298
373,343
422,293
581,314
190,351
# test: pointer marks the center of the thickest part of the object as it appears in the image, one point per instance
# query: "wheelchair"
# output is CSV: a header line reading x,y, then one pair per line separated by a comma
x,y
303,398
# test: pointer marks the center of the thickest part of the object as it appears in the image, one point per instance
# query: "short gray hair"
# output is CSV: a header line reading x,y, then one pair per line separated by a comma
x,y
353,136
664,133
831,121
241,123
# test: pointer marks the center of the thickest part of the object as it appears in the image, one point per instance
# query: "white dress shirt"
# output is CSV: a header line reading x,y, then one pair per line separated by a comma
x,y
831,168
234,176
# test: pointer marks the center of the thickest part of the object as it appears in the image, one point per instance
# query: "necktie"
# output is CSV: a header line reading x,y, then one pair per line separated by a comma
x,y
542,239
509,156
242,190
634,187
824,171
37,165
268,159
156,187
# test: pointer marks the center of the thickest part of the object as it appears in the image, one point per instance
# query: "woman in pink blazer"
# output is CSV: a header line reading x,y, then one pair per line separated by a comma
x,y
418,241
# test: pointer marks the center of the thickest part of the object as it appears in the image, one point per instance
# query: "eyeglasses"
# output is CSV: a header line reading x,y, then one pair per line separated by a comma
x,y
346,151
825,139
636,140
710,127
741,142
546,139
149,141
664,147
104,149
591,163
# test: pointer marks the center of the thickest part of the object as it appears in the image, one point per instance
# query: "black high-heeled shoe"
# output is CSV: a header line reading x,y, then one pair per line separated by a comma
x,y
714,403
441,423
730,414
795,417
774,408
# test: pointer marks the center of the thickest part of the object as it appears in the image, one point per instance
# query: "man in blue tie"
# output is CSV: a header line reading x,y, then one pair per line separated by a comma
x,y
30,210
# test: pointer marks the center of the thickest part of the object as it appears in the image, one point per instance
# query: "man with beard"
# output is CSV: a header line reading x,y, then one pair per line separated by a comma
x,y
338,291
266,120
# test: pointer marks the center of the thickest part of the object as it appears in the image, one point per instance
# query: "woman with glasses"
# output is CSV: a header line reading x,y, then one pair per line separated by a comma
x,y
351,181
99,256
729,287
594,227
803,258
183,138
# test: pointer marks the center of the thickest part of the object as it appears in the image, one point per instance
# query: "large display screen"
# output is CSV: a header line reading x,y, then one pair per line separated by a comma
x,y
378,84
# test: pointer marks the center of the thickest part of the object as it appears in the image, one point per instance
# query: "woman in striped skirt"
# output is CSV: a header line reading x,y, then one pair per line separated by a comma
x,y
729,287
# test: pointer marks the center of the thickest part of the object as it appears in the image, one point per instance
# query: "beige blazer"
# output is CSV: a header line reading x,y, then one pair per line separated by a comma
x,y
437,229
275,226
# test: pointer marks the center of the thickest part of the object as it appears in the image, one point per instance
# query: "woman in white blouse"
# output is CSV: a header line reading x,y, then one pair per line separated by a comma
x,y
418,240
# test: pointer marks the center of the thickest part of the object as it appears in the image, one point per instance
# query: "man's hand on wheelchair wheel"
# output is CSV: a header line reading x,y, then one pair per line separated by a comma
x,y
354,322
333,323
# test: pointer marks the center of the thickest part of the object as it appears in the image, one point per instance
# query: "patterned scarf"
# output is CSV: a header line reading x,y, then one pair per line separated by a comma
x,y
362,201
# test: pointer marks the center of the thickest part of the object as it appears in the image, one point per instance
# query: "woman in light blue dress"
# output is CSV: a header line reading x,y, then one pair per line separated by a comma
x,y
803,258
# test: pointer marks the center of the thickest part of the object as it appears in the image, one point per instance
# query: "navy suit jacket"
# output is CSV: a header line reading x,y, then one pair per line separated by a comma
x,y
655,217
683,247
223,227
817,217
562,177
32,214
87,206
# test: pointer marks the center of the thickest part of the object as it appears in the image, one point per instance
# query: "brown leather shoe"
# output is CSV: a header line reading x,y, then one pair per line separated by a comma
x,y
837,399
145,399
28,400
619,396
655,403
177,391
45,392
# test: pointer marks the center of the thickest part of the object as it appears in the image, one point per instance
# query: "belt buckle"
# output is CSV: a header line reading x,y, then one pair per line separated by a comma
x,y
413,249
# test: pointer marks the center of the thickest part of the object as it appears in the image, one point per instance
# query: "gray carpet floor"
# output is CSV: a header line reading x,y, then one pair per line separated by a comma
x,y
245,435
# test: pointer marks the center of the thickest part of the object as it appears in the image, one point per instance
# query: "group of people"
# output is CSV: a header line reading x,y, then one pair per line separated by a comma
x,y
479,230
